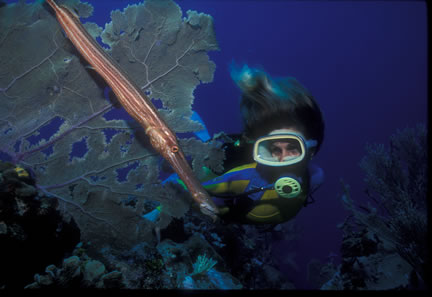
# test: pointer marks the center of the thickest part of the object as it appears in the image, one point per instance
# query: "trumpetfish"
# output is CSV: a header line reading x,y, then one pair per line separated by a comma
x,y
136,103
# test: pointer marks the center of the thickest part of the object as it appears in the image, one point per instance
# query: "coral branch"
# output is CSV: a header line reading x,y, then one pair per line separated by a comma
x,y
397,178
23,155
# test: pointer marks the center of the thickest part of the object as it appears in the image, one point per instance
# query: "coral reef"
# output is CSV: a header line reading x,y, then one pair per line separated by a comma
x,y
385,242
180,266
78,271
193,252
368,263
246,261
397,182
245,251
59,118
203,265
88,175
319,273
33,233
141,266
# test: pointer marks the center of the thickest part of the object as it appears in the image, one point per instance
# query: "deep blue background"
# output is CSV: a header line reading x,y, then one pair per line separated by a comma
x,y
364,61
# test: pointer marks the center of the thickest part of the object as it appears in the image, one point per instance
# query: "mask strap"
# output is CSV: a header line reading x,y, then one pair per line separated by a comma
x,y
311,143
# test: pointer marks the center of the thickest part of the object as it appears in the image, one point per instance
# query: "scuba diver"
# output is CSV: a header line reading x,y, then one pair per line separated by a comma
x,y
270,175
273,177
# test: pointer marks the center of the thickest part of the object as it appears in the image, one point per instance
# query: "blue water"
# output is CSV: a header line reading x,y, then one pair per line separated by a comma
x,y
365,63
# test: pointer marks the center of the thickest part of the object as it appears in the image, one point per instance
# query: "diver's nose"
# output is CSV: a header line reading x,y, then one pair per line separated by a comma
x,y
285,153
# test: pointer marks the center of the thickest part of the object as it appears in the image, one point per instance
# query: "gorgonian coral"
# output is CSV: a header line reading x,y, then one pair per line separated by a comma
x,y
99,165
396,179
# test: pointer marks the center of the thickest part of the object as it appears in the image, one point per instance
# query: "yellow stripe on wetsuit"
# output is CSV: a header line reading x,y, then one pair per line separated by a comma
x,y
230,186
270,209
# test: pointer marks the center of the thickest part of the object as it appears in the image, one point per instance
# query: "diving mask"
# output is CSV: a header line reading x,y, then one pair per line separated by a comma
x,y
281,148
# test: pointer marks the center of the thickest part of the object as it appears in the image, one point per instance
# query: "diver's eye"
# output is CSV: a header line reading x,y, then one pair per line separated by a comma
x,y
291,148
284,149
275,151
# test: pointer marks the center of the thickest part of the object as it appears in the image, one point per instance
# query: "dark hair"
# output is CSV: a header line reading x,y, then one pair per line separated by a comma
x,y
268,104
